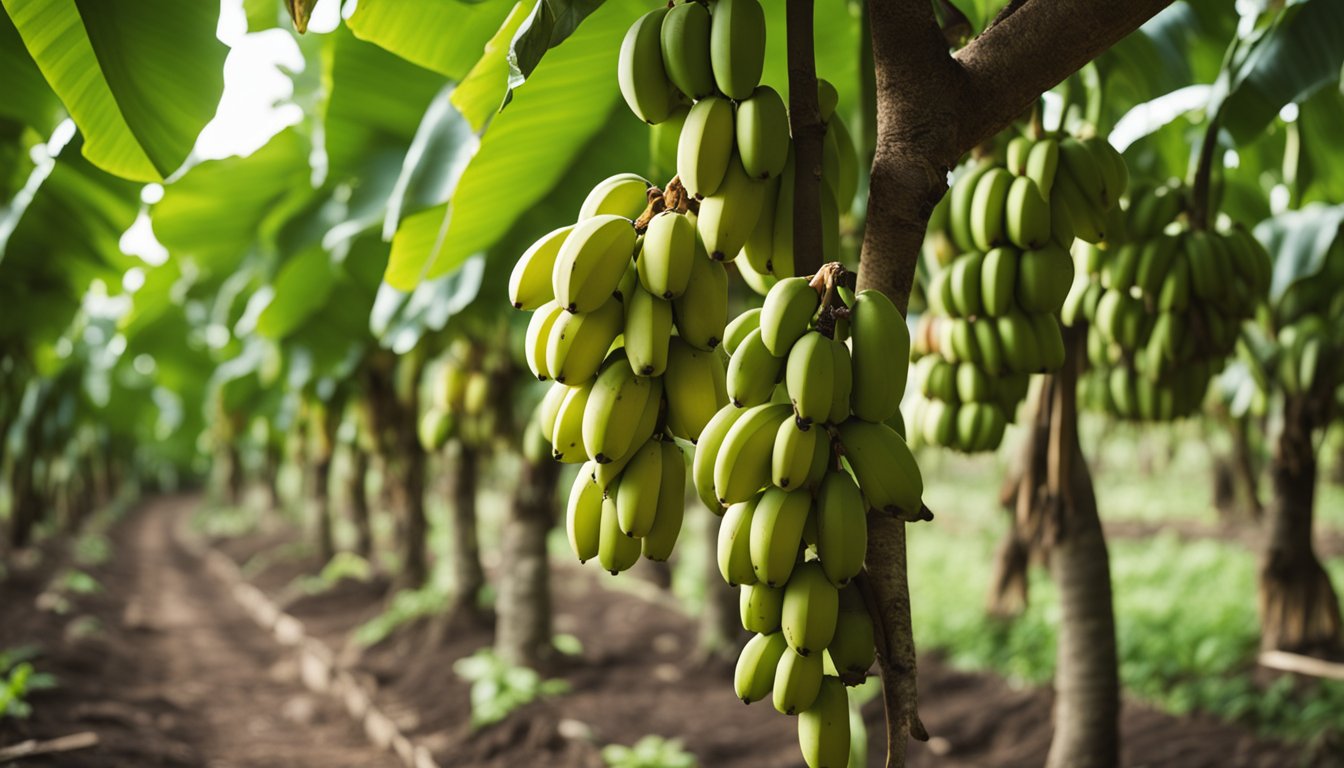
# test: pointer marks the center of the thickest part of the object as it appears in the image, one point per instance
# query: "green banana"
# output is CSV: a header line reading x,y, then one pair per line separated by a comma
x,y
567,436
754,676
760,606
1049,340
777,534
811,606
884,467
763,133
694,387
752,372
828,98
842,528
701,311
1018,341
530,282
810,378
625,195
707,451
1085,218
842,380
739,328
583,516
960,206
667,255
742,466
737,46
998,281
613,413
987,209
549,407
734,545
1042,164
786,314
1044,277
662,537
852,651
648,329
1016,154
823,728
578,343
639,69
684,35
879,343
781,234
706,145
797,681
758,251
987,343
728,217
616,552
794,456
592,261
1027,214
972,384
637,495
964,279
538,338
1081,165
847,176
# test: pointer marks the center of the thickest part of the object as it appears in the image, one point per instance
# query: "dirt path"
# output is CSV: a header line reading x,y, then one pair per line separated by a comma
x,y
227,692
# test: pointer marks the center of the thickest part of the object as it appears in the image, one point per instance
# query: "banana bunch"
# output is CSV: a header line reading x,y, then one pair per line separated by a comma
x,y
1308,324
459,393
625,323
1002,237
1164,309
794,462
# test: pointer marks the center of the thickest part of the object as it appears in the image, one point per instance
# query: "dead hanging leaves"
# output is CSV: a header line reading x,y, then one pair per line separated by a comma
x,y
300,11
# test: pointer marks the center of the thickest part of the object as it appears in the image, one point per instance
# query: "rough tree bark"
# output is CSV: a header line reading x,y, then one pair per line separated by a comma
x,y
931,108
523,621
1299,610
321,480
1008,587
356,489
1235,494
465,554
274,457
415,526
23,503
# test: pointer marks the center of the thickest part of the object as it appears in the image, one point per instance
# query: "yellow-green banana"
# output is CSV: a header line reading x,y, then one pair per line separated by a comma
x,y
611,417
739,328
648,329
567,435
1042,163
637,497
583,516
640,72
987,209
884,467
578,343
694,388
706,145
752,372
964,281
667,254
625,195
707,451
1027,214
530,283
842,528
794,456
754,677
880,350
684,35
616,552
811,605
763,134
777,534
742,466
810,377
727,217
760,606
823,728
592,261
734,545
538,338
786,314
737,46
701,311
662,537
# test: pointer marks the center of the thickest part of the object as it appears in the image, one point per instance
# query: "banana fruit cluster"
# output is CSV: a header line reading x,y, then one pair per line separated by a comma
x,y
1002,236
694,69
459,393
794,462
625,325
1164,309
1308,322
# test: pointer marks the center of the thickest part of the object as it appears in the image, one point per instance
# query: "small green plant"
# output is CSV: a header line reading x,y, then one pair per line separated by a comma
x,y
498,687
407,605
648,752
78,583
344,565
17,679
225,521
92,549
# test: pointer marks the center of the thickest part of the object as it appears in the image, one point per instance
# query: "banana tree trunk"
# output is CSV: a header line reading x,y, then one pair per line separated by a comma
x,y
233,478
23,503
1299,610
468,575
523,610
415,527
357,492
1235,493
326,544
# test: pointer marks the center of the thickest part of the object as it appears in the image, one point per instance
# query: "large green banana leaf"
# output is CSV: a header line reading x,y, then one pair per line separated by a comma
x,y
1298,241
418,33
140,79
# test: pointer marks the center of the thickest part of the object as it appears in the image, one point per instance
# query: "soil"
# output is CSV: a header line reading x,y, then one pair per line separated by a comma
x,y
193,682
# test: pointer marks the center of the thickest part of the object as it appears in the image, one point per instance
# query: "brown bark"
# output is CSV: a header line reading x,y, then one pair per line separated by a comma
x,y
468,575
272,479
358,496
1299,609
23,503
233,476
414,524
321,479
808,131
523,610
1237,474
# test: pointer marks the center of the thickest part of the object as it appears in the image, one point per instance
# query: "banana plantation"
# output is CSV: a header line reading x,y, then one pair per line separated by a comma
x,y
671,384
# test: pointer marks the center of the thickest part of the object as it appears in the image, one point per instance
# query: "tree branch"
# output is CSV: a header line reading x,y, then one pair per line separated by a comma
x,y
807,130
1033,49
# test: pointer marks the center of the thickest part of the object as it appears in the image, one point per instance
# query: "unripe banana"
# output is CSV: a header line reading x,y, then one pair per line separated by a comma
x,y
625,195
706,145
707,451
847,176
759,250
530,282
734,546
760,607
880,350
739,328
797,681
987,209
742,466
777,534
752,372
648,329
828,98
637,496
1086,219
694,389
701,312
538,338
728,217
567,436
1049,340
549,407
823,728
842,383
960,208
615,408
972,384
811,606
1114,174
1044,277
579,342
1042,163
737,46
964,281
810,377
842,528
667,255
662,537
884,467
786,314
640,72
592,261
1018,341
616,552
685,48
1081,166
762,128
852,651
795,455
432,429
583,516
754,677
781,235
1027,214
